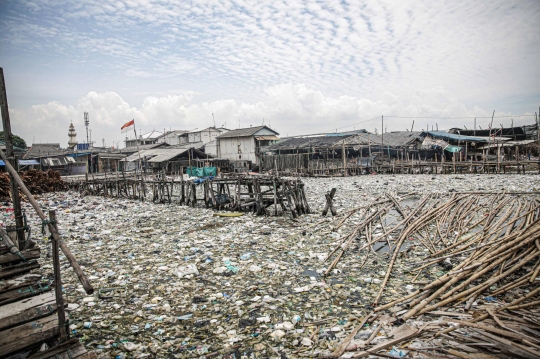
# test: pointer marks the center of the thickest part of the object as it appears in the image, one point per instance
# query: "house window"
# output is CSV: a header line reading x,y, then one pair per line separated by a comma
x,y
239,149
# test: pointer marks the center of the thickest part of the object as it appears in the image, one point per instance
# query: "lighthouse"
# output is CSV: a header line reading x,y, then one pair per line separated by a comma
x,y
72,135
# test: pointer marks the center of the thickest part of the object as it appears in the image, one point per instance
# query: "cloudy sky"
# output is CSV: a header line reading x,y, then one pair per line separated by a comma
x,y
302,66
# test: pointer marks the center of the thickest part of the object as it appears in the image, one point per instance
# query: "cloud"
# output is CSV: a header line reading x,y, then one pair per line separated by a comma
x,y
484,51
290,109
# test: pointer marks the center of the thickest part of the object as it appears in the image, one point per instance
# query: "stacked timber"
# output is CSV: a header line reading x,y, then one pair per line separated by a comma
x,y
38,182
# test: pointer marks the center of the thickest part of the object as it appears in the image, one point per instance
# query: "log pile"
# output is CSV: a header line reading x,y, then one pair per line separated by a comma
x,y
485,302
38,182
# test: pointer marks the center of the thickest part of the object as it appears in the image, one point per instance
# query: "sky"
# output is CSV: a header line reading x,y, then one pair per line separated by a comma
x,y
299,66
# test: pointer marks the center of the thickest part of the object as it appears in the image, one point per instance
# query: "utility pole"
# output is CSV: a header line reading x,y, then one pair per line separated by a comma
x,y
490,129
382,136
86,123
8,140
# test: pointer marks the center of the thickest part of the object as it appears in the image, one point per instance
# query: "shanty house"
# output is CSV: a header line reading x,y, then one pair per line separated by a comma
x,y
244,144
146,139
203,137
173,137
333,150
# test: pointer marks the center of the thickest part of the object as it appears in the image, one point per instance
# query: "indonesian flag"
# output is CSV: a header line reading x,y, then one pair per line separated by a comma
x,y
127,126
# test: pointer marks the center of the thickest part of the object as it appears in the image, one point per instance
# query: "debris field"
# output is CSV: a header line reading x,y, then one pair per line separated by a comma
x,y
411,266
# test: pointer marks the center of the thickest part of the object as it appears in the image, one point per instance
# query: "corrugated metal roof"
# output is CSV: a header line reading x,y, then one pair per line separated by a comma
x,y
143,147
506,144
457,137
167,156
42,150
305,142
28,162
393,139
263,138
245,132
165,153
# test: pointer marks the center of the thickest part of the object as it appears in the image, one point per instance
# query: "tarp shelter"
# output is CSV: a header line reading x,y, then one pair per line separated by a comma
x,y
451,148
201,171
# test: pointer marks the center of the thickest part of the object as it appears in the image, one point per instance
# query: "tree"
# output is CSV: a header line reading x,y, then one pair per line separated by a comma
x,y
17,141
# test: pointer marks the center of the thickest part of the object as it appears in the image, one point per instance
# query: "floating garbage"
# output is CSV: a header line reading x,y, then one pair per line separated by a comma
x,y
180,281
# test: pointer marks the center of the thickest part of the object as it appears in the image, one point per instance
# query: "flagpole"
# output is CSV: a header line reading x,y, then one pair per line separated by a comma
x,y
140,160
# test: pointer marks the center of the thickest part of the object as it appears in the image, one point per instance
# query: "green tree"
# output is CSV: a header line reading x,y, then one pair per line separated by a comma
x,y
17,141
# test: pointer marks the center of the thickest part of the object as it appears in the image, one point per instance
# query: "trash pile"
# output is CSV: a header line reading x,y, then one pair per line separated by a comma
x,y
38,182
410,266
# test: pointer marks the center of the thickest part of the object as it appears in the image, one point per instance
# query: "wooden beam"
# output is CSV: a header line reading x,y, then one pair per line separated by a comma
x,y
18,269
25,310
14,258
69,349
28,335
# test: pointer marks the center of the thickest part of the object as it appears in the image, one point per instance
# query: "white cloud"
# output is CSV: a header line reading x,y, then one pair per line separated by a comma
x,y
290,109
482,50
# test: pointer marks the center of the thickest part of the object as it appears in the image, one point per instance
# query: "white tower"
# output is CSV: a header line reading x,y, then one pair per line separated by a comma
x,y
72,136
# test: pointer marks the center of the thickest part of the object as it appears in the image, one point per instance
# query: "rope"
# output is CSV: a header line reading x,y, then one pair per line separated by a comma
x,y
46,222
25,228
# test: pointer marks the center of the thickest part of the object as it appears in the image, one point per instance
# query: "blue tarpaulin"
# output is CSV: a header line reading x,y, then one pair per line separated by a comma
x,y
28,162
451,148
201,171
78,154
202,179
22,163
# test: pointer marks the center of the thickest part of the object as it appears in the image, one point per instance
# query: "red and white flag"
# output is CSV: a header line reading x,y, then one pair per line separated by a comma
x,y
128,126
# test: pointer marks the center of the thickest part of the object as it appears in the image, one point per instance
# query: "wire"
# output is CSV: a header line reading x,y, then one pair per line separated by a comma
x,y
459,118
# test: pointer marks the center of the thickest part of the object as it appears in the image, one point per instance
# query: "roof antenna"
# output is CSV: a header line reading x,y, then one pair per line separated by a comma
x,y
213,120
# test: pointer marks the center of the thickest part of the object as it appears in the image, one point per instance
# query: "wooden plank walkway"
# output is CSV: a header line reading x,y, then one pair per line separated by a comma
x,y
29,310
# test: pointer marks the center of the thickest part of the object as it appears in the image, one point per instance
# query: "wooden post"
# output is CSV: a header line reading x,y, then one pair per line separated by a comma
x,y
329,198
58,281
189,163
498,158
344,155
8,140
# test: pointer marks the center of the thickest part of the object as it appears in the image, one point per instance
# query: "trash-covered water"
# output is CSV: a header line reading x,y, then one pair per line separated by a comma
x,y
175,281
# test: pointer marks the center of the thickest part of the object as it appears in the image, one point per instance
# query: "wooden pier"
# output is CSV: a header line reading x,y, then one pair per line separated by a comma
x,y
262,195
351,168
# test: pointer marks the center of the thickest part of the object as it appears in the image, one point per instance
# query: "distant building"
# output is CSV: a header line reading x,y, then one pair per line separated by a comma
x,y
244,144
205,135
146,139
171,137
72,136
38,150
